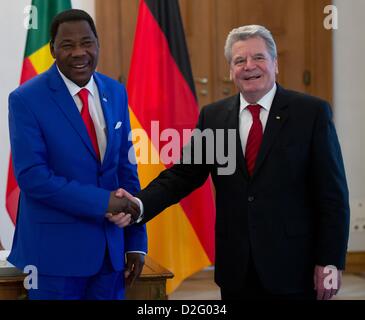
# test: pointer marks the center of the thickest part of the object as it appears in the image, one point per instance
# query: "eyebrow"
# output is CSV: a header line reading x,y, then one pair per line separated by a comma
x,y
260,54
72,40
87,38
238,57
65,41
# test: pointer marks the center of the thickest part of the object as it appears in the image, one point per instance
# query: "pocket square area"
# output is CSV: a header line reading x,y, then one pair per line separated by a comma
x,y
118,125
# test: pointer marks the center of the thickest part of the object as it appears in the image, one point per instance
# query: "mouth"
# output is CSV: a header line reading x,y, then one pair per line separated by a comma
x,y
80,66
252,77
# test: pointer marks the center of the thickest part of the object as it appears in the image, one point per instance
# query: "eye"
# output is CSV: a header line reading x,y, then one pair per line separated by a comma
x,y
87,43
239,61
259,58
66,46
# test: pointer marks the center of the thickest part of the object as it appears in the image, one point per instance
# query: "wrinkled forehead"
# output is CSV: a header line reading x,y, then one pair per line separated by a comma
x,y
253,47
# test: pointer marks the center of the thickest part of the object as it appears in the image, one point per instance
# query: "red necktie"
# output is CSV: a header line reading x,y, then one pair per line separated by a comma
x,y
89,124
254,138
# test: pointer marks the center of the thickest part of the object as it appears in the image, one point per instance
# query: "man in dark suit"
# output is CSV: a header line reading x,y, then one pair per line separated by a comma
x,y
282,217
69,132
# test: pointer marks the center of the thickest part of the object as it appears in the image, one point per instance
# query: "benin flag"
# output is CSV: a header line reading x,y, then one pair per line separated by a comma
x,y
162,96
37,59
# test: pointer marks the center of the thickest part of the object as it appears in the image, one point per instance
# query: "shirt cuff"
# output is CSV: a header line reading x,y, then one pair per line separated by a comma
x,y
141,252
140,204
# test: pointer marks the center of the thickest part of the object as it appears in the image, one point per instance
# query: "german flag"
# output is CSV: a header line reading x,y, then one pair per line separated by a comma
x,y
162,97
37,59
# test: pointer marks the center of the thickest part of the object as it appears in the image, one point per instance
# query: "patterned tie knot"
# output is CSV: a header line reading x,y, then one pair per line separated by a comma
x,y
83,94
255,110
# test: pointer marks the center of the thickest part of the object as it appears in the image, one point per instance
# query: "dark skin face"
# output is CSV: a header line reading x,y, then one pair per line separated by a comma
x,y
76,50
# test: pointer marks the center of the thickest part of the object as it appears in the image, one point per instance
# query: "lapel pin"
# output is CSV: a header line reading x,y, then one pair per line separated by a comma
x,y
278,118
105,99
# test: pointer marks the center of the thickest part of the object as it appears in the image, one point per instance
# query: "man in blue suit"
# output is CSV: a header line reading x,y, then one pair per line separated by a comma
x,y
68,162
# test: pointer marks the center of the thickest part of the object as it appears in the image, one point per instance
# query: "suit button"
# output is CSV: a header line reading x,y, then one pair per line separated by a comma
x,y
251,198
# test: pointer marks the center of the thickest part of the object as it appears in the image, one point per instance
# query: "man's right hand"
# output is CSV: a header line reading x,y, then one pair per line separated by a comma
x,y
122,210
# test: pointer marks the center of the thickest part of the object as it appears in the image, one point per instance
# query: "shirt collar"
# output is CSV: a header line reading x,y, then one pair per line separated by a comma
x,y
265,101
74,89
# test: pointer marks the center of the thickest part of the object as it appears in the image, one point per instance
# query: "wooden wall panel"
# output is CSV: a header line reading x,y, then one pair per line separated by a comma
x,y
108,23
304,46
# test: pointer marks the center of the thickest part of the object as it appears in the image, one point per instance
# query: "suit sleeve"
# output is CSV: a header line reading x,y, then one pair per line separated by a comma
x,y
135,235
331,192
177,182
36,179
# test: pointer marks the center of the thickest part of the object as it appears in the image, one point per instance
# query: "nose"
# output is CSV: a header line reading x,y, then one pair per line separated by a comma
x,y
78,51
250,64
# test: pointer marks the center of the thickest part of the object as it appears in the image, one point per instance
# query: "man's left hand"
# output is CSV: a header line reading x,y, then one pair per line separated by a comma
x,y
327,281
121,219
133,268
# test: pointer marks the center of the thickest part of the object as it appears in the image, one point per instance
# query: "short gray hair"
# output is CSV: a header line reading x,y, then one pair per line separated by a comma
x,y
247,32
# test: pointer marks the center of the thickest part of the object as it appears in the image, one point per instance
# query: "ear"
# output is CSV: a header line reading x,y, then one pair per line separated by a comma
x,y
276,66
230,74
51,47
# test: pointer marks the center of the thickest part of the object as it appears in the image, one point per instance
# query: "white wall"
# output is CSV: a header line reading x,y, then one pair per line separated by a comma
x,y
349,105
13,35
87,5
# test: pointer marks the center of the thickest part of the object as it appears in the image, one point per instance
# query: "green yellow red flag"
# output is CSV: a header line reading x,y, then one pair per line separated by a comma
x,y
37,59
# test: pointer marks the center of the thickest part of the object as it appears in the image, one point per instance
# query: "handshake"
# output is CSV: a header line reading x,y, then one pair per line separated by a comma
x,y
123,208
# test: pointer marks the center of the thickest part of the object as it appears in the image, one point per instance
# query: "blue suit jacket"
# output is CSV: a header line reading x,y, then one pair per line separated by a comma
x,y
61,228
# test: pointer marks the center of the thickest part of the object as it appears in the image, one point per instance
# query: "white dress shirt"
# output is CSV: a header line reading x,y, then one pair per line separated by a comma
x,y
245,116
95,109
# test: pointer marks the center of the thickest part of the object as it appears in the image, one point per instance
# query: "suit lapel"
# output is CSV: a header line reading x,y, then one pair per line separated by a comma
x,y
232,119
107,111
67,105
277,117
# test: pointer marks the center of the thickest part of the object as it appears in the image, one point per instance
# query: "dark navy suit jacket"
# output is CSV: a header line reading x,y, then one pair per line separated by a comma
x,y
291,215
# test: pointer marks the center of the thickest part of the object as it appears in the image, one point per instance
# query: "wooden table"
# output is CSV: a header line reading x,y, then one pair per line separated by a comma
x,y
150,286
11,288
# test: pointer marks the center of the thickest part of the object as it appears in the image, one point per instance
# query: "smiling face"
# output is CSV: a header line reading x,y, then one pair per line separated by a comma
x,y
76,51
252,68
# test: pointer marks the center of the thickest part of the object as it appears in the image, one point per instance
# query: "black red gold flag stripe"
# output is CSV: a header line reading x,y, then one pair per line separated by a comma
x,y
160,88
